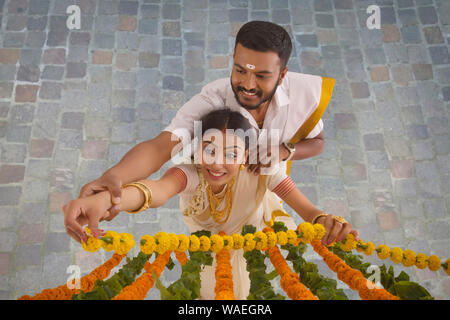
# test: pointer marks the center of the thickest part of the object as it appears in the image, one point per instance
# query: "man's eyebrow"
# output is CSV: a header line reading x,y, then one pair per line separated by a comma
x,y
263,71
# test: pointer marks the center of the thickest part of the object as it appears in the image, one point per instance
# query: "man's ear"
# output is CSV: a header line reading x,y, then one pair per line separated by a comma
x,y
282,75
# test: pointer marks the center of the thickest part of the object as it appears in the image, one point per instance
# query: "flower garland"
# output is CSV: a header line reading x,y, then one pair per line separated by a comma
x,y
224,276
353,278
87,282
139,288
407,257
289,280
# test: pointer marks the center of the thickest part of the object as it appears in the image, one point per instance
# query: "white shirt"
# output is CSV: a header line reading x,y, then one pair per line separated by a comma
x,y
294,101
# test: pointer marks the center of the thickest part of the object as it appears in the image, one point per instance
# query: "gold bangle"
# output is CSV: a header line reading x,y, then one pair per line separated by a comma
x,y
147,195
318,216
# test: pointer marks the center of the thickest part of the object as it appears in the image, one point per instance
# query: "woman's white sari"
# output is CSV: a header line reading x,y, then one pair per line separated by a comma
x,y
252,203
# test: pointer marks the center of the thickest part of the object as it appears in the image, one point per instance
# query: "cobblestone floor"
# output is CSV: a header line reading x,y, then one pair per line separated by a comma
x,y
72,103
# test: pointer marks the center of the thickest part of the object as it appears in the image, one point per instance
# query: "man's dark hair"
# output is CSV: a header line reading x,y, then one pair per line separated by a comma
x,y
266,36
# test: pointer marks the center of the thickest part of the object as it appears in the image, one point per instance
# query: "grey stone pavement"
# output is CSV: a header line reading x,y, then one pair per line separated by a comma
x,y
73,102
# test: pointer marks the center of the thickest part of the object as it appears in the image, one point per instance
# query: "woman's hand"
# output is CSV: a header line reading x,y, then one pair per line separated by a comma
x,y
88,210
336,231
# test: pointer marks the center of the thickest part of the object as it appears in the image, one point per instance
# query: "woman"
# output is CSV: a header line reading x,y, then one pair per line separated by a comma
x,y
216,195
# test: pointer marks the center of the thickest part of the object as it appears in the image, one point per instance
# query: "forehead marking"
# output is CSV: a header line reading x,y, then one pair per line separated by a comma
x,y
250,66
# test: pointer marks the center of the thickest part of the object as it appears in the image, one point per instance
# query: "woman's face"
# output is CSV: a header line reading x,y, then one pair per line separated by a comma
x,y
222,155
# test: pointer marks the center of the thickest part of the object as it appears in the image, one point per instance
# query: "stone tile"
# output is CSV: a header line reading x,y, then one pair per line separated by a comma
x,y
94,149
388,220
53,73
31,233
402,169
9,56
379,73
28,255
360,90
54,56
4,263
433,35
41,148
26,93
18,133
57,242
439,55
307,40
410,34
427,15
11,173
402,74
324,20
148,59
422,71
126,61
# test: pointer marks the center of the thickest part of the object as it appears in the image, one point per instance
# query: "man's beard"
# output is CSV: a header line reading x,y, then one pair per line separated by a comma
x,y
269,97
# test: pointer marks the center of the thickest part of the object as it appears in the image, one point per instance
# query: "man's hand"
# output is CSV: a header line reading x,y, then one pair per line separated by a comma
x,y
107,182
269,160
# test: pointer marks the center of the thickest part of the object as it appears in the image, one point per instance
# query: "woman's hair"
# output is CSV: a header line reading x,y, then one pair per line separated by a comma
x,y
266,36
222,119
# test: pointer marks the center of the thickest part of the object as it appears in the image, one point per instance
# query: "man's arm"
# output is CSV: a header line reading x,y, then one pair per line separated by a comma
x,y
308,148
145,158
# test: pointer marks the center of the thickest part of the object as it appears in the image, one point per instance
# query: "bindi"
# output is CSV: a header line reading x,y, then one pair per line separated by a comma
x,y
250,66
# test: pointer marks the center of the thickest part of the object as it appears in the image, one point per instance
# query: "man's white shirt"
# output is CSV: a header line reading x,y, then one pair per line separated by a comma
x,y
292,104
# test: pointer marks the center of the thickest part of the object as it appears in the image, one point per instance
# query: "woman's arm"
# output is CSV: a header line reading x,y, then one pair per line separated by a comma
x,y
162,190
92,209
301,204
335,231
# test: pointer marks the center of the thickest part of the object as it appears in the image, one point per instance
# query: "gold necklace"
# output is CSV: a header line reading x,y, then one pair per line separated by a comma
x,y
214,202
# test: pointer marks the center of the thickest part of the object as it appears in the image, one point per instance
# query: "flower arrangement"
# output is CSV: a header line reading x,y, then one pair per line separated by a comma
x,y
305,283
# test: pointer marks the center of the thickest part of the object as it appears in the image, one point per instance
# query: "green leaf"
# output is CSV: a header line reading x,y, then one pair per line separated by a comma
x,y
411,291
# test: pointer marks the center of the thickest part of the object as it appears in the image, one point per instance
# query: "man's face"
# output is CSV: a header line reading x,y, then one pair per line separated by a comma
x,y
255,76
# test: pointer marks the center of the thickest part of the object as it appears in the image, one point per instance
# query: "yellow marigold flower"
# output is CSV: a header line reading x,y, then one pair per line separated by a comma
x,y
147,244
349,243
249,243
447,266
370,248
397,255
383,251
306,231
228,242
173,241
359,246
163,242
125,244
409,258
421,261
319,231
92,245
292,236
262,242
108,240
183,242
281,238
216,243
205,243
194,243
238,241
271,239
434,263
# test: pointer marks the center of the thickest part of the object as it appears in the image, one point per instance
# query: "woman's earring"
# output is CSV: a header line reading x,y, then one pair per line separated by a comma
x,y
242,167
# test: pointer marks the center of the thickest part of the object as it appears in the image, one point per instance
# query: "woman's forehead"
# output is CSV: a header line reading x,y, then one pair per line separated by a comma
x,y
220,138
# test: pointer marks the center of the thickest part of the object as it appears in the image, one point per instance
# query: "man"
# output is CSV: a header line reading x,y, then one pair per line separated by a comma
x,y
260,87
